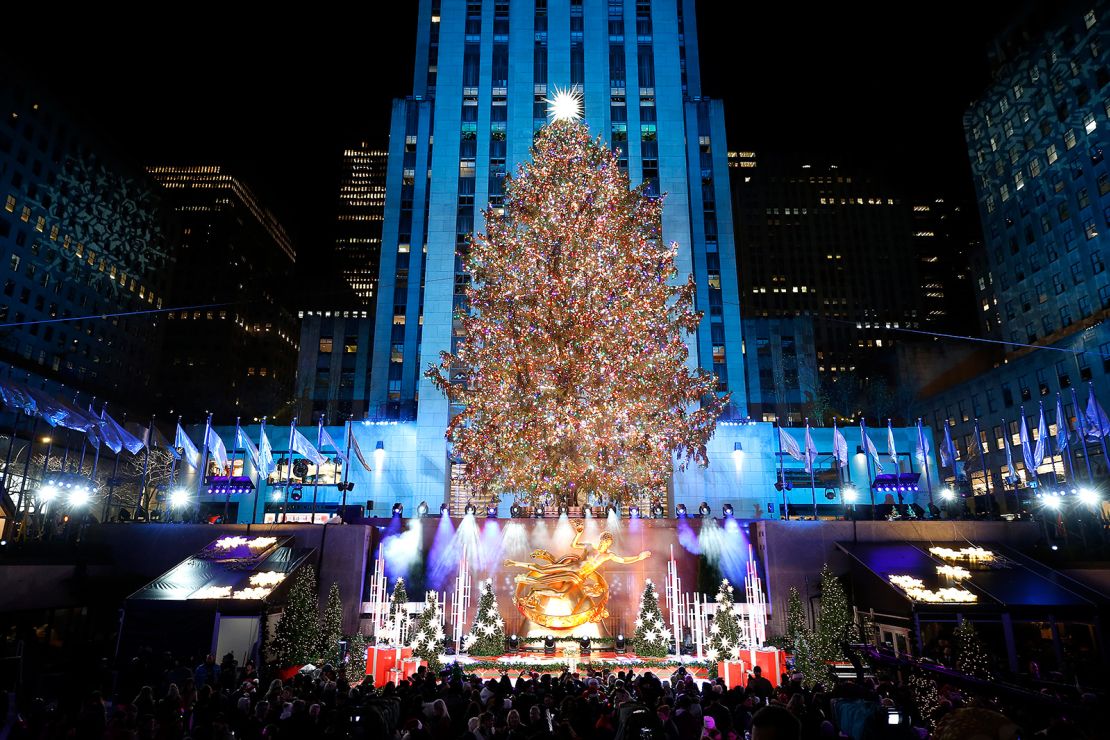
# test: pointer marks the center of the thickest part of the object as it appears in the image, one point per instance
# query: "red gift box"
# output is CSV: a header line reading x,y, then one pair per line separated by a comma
x,y
771,662
734,672
380,661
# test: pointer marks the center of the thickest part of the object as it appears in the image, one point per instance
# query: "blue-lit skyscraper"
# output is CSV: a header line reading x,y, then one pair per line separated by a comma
x,y
484,69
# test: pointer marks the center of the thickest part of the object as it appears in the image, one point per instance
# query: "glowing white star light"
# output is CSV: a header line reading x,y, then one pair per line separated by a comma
x,y
566,105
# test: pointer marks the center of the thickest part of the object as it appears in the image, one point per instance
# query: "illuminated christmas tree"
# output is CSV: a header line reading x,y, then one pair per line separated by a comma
x,y
971,656
427,634
795,616
808,660
487,637
297,637
724,632
925,697
572,370
397,621
331,627
355,667
834,621
651,638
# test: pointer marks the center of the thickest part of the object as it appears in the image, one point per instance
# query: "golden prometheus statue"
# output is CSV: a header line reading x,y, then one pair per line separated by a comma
x,y
568,592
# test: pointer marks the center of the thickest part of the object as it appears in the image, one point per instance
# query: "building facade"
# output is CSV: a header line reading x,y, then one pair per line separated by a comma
x,y
826,240
780,361
484,69
944,235
231,343
1036,141
361,210
84,239
333,365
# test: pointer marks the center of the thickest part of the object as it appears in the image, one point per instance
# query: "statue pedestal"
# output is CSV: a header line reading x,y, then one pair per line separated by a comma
x,y
590,629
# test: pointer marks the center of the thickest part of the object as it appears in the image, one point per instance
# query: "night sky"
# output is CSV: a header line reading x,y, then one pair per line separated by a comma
x,y
276,98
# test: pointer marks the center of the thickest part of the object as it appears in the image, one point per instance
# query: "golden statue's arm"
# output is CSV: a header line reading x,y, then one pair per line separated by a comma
x,y
518,564
628,560
579,528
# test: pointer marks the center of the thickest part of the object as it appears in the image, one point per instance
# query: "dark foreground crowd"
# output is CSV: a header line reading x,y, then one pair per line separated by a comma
x,y
158,698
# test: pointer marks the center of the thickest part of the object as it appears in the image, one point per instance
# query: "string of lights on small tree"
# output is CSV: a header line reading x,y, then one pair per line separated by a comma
x,y
724,632
971,656
487,636
297,637
651,639
427,634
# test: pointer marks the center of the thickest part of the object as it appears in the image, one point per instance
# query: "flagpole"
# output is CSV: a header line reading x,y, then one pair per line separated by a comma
x,y
11,446
1065,451
96,457
289,469
1101,431
347,463
203,458
867,457
316,478
1048,445
812,472
836,460
230,470
1082,429
146,464
84,442
986,470
924,463
27,462
258,470
782,471
173,470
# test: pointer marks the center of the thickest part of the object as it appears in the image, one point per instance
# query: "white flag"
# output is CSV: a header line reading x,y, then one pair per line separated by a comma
x,y
840,448
872,451
892,450
811,451
790,445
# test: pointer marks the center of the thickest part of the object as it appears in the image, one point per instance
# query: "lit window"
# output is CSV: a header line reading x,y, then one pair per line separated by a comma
x,y
26,215
1089,19
1069,138
1089,124
325,344
9,204
1051,152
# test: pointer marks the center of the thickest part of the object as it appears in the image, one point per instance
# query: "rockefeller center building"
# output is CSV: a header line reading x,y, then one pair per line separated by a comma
x,y
484,72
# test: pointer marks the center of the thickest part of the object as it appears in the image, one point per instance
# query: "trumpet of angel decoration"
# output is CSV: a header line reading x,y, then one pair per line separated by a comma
x,y
572,369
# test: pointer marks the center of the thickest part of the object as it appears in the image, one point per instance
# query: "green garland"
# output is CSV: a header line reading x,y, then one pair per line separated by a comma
x,y
593,640
585,665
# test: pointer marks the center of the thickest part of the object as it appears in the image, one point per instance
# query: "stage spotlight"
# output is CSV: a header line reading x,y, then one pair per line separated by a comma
x,y
585,645
179,498
704,509
622,644
422,509
549,645
491,512
1052,501
612,509
1088,496
849,494
727,510
947,494
514,643
680,510
78,497
538,512
633,512
296,493
588,511
516,511
398,509
444,509
47,493
562,509
470,509
657,511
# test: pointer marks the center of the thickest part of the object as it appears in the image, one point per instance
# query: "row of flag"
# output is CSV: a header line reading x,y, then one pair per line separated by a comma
x,y
262,454
100,428
1091,425
791,447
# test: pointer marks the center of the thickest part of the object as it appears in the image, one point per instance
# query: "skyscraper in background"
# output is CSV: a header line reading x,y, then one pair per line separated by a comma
x,y
235,350
358,238
484,70
823,238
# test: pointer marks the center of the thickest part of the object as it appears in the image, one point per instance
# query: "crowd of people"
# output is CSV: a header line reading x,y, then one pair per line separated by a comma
x,y
157,697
